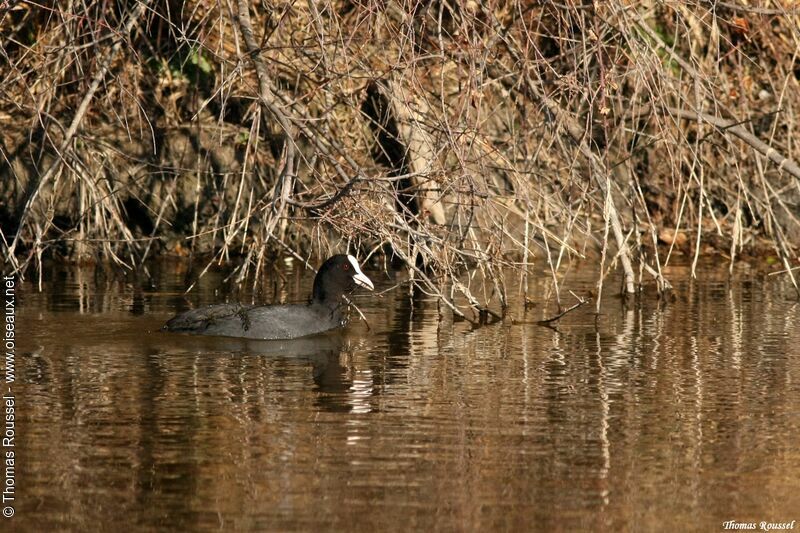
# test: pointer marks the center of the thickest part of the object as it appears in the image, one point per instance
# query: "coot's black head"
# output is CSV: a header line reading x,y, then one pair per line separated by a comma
x,y
338,275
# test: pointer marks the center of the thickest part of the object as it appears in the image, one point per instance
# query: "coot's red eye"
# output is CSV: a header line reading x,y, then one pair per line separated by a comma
x,y
346,266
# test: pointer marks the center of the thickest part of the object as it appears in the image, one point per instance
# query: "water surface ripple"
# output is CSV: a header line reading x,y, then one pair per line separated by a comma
x,y
656,415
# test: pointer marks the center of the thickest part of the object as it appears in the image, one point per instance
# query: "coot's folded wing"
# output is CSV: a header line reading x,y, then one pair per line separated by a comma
x,y
231,317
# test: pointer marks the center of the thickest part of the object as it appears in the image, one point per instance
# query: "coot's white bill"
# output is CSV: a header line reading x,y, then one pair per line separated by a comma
x,y
359,277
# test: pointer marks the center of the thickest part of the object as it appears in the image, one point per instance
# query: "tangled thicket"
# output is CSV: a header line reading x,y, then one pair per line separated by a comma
x,y
447,134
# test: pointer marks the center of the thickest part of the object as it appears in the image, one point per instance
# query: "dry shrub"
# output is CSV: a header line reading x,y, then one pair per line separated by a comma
x,y
450,135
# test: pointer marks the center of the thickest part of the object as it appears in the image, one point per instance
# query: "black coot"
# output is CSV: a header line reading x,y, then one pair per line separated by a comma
x,y
338,275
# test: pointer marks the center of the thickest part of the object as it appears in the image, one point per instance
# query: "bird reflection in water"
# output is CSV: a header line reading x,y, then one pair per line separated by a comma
x,y
339,386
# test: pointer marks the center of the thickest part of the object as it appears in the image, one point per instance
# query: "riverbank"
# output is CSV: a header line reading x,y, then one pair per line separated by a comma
x,y
444,137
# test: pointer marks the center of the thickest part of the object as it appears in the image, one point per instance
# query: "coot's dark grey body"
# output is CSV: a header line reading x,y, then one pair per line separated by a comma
x,y
265,322
338,275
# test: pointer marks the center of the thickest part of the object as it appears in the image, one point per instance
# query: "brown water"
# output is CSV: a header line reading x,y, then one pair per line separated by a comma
x,y
671,415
